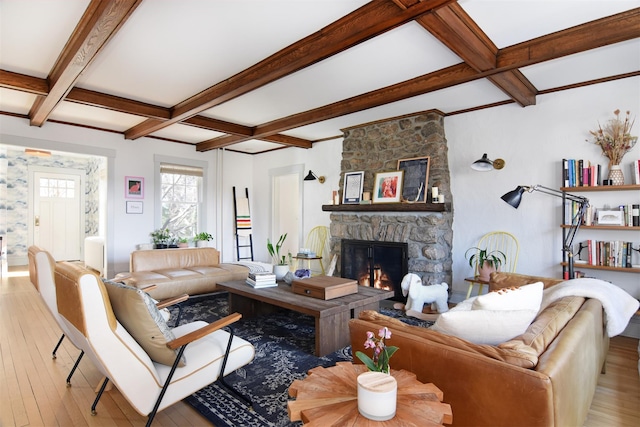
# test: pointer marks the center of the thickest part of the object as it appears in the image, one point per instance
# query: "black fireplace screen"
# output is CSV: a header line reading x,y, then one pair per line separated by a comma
x,y
378,264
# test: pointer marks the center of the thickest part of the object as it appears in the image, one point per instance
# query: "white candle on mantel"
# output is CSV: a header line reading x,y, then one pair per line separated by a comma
x,y
377,395
434,192
440,198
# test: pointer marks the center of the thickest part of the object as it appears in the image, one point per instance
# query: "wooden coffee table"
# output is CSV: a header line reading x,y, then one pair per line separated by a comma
x,y
329,396
331,316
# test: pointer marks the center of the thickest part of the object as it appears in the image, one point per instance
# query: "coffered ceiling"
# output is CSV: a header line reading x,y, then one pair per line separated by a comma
x,y
258,75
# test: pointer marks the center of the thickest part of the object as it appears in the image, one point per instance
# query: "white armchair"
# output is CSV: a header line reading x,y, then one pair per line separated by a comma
x,y
41,268
85,304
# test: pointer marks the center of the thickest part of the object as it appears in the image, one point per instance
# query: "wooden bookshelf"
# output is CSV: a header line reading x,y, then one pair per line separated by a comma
x,y
600,188
605,227
581,266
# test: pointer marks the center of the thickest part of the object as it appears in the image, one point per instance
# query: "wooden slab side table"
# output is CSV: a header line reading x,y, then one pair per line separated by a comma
x,y
328,396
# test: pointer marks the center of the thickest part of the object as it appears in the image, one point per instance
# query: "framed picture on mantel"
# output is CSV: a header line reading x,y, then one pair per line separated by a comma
x,y
387,188
415,180
352,187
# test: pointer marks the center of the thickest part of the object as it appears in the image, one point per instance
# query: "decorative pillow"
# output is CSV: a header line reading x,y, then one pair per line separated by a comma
x,y
527,297
137,312
485,326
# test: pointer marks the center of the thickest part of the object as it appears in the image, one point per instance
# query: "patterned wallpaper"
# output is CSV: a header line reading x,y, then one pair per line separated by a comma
x,y
14,191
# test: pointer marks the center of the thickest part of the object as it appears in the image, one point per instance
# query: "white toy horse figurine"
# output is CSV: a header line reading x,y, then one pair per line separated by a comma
x,y
418,295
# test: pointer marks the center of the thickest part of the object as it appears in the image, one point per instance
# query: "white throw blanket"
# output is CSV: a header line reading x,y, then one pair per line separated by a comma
x,y
618,305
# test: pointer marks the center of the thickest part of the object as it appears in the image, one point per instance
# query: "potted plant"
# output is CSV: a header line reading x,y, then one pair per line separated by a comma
x,y
202,239
183,242
160,238
280,266
485,262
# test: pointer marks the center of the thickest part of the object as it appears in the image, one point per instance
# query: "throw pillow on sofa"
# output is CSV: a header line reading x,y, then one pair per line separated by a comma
x,y
485,326
493,318
527,297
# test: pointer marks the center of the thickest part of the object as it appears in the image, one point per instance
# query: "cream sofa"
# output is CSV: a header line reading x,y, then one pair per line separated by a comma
x,y
544,377
179,271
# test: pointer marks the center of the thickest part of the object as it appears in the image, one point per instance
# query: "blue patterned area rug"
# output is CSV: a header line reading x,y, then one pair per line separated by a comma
x,y
284,343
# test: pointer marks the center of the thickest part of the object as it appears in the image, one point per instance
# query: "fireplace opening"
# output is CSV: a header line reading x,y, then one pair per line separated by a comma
x,y
381,265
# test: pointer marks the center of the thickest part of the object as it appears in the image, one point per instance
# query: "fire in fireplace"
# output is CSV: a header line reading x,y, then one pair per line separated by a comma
x,y
378,264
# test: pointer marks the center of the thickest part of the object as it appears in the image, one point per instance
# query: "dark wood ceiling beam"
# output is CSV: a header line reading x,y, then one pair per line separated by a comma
x,y
372,19
456,30
98,24
116,103
624,26
23,83
602,32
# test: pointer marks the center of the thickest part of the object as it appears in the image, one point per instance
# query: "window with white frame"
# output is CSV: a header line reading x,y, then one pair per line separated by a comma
x,y
181,199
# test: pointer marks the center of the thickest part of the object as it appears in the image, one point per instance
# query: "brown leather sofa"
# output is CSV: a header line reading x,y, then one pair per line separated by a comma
x,y
179,271
544,377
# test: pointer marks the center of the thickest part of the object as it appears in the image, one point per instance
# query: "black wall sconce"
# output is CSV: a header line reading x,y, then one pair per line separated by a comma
x,y
484,164
312,177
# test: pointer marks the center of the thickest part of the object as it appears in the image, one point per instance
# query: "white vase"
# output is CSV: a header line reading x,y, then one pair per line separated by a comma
x,y
202,244
616,175
377,395
280,271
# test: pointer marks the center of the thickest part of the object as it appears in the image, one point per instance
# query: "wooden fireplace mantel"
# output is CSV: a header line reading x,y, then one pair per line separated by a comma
x,y
390,207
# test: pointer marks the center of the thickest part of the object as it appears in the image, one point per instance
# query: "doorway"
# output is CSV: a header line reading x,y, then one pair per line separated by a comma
x,y
286,207
57,218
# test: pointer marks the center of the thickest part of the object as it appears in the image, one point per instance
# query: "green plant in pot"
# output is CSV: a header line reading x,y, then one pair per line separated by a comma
x,y
160,238
280,266
484,261
202,239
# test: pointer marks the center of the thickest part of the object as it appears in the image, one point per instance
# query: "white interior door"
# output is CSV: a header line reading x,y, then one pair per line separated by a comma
x,y
286,212
58,218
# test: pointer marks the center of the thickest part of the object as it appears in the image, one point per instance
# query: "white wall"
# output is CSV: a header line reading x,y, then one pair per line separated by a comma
x,y
532,141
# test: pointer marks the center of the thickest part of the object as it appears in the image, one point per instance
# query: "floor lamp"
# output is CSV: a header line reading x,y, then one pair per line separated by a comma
x,y
514,198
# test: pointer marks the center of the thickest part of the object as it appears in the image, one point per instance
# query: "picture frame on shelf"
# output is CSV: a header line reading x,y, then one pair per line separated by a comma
x,y
133,187
415,180
387,187
352,187
610,217
134,207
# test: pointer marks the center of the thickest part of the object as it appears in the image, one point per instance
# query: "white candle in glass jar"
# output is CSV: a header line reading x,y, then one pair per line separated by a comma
x,y
377,396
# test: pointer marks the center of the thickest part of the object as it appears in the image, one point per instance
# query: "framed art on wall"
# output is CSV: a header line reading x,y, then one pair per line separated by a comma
x,y
415,180
352,187
133,187
387,187
134,207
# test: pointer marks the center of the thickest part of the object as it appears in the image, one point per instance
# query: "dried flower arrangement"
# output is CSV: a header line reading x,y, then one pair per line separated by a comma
x,y
615,138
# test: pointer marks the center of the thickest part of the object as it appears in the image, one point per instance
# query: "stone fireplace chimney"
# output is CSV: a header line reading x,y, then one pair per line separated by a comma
x,y
377,147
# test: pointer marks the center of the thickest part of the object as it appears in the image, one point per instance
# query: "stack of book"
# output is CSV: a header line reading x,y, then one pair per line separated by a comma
x,y
262,280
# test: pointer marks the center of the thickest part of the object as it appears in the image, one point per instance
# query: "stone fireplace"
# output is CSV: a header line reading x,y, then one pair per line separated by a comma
x,y
426,229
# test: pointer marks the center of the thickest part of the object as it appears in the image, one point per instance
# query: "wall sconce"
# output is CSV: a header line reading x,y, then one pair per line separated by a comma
x,y
484,164
38,153
312,177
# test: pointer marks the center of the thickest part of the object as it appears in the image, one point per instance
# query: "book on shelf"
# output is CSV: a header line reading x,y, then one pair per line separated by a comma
x,y
580,173
265,284
635,172
614,253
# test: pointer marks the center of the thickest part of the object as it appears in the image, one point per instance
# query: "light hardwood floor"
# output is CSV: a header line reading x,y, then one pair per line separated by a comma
x,y
33,390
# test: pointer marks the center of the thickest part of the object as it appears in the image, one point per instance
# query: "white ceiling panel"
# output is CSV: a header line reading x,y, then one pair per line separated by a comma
x,y
31,40
254,146
186,133
94,116
15,101
508,22
621,58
